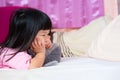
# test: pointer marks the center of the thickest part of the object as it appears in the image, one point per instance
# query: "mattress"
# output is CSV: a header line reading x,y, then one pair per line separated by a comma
x,y
68,69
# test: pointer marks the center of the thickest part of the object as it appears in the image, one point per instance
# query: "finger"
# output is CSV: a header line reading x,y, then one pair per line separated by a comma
x,y
41,42
38,42
32,45
49,45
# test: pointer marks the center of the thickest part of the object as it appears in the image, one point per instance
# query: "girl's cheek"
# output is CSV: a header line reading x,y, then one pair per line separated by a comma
x,y
39,36
43,37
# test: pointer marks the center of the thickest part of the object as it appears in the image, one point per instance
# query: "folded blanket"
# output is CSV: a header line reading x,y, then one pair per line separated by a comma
x,y
77,42
107,45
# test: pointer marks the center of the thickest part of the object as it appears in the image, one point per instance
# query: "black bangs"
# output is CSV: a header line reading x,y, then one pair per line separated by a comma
x,y
46,23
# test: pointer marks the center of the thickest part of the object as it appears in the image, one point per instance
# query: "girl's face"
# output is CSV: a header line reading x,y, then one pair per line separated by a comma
x,y
45,35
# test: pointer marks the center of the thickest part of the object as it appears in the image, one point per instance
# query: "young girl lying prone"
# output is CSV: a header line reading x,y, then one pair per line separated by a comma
x,y
28,43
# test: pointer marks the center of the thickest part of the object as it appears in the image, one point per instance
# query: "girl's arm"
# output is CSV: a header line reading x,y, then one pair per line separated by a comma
x,y
37,61
38,47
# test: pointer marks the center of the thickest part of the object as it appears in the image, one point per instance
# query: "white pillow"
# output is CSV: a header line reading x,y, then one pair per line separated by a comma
x,y
77,42
107,44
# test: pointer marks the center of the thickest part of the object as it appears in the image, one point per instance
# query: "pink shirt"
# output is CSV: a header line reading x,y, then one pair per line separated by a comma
x,y
20,61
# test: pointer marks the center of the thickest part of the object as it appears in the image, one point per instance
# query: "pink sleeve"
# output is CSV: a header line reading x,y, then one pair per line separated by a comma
x,y
19,61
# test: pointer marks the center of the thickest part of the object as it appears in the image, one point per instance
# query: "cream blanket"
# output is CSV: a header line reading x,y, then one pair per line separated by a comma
x,y
107,44
77,42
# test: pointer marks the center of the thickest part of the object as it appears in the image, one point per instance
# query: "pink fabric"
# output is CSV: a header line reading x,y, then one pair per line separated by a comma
x,y
19,61
64,13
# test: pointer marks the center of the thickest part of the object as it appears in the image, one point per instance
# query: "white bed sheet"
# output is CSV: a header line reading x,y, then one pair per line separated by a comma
x,y
68,69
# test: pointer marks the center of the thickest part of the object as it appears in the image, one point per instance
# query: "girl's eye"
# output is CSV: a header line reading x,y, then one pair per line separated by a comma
x,y
43,35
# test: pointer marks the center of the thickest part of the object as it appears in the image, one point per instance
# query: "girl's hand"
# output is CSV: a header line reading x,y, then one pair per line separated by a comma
x,y
48,43
38,45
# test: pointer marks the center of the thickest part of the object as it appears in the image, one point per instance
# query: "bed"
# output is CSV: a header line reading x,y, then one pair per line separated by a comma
x,y
85,66
81,55
74,68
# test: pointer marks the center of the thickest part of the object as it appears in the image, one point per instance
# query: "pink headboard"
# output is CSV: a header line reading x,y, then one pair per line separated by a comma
x,y
5,13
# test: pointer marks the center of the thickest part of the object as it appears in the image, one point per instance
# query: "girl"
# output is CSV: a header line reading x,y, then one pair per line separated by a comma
x,y
28,30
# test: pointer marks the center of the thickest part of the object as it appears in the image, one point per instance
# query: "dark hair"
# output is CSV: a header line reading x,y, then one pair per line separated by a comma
x,y
24,26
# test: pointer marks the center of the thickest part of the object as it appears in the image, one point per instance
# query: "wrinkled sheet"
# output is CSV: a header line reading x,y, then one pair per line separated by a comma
x,y
68,69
